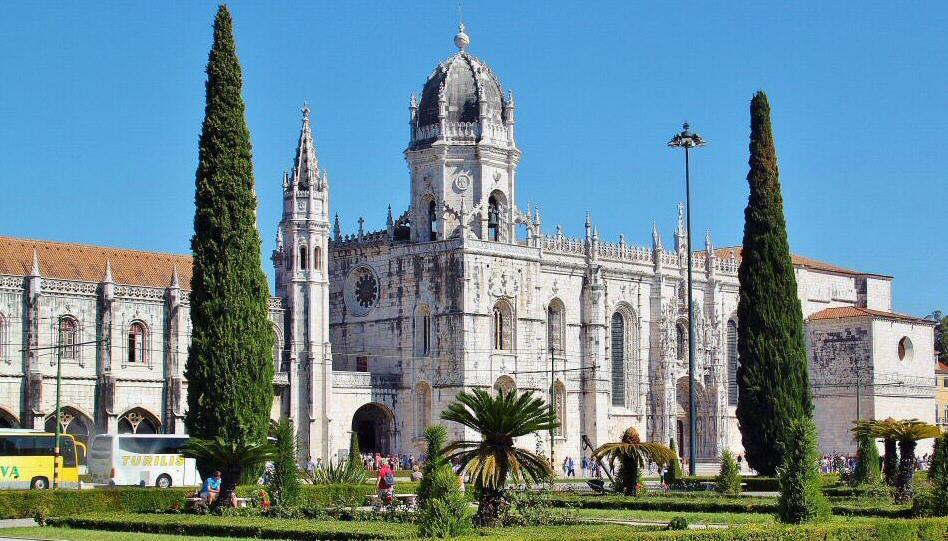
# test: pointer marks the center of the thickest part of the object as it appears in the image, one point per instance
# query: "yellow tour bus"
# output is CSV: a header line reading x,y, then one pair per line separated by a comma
x,y
26,459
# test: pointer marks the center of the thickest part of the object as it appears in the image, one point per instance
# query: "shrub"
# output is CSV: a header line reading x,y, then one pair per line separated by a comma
x,y
674,472
342,473
447,512
801,497
867,471
729,480
285,482
934,502
435,438
355,454
528,508
678,523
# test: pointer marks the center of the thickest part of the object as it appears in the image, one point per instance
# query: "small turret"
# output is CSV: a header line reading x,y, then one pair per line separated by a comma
x,y
336,230
108,282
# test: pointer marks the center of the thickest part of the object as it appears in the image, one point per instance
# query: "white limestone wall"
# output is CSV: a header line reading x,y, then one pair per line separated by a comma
x,y
840,351
879,293
820,290
905,387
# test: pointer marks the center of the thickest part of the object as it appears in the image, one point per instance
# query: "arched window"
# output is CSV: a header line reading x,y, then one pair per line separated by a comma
x,y
493,219
303,260
504,385
432,220
681,341
277,350
423,332
136,342
732,362
502,328
422,408
69,337
72,421
138,421
317,258
559,390
554,326
618,360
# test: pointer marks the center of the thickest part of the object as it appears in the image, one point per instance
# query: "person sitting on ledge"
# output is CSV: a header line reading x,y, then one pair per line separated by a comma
x,y
211,487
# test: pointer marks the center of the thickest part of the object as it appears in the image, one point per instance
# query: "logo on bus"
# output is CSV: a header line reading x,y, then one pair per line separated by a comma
x,y
9,471
153,460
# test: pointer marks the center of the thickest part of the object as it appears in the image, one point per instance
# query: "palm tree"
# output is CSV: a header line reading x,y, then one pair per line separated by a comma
x,y
494,459
907,433
632,454
231,458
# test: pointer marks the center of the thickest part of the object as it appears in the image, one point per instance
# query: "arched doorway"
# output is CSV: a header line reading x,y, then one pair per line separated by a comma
x,y
7,419
706,428
375,426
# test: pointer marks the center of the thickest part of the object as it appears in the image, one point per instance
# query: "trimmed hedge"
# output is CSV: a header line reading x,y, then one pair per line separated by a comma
x,y
255,527
718,504
242,527
28,503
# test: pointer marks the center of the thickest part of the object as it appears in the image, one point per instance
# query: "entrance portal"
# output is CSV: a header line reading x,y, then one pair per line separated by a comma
x,y
375,426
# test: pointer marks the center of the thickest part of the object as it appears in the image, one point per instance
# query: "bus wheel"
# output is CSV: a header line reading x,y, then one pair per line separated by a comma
x,y
39,483
163,481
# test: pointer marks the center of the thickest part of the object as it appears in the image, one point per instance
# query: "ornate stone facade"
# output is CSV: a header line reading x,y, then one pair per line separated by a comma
x,y
463,290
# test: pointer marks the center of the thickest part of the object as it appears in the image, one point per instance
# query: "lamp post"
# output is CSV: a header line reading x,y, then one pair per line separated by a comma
x,y
688,140
57,455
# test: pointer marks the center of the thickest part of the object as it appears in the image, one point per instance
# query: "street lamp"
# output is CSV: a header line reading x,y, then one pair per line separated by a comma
x,y
688,140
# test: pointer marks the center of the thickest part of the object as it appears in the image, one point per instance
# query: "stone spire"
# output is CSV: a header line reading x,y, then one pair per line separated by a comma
x,y
107,279
681,236
336,230
306,168
175,281
36,264
389,221
656,238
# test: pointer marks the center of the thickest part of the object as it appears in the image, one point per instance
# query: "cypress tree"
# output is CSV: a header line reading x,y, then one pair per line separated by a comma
x,y
867,466
801,492
230,364
772,377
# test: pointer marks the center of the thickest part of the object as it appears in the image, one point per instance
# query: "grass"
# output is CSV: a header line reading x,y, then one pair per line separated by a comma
x,y
665,516
69,534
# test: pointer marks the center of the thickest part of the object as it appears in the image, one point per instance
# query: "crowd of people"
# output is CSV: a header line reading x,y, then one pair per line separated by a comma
x,y
837,463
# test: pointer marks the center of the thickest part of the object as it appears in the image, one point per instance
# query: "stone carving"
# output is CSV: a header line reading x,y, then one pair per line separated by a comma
x,y
503,284
462,182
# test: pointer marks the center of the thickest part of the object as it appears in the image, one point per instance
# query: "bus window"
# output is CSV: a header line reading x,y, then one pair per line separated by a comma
x,y
68,451
152,446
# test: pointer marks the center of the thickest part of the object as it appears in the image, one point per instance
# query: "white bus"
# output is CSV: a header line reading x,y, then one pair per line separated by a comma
x,y
143,460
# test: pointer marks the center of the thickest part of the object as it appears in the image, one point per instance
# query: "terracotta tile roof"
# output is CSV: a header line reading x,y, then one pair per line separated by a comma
x,y
843,312
941,368
82,262
800,261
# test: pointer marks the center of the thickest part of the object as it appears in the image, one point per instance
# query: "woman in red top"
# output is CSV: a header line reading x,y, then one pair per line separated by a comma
x,y
386,483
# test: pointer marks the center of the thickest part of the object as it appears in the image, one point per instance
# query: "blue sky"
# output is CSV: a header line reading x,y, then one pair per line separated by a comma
x,y
101,107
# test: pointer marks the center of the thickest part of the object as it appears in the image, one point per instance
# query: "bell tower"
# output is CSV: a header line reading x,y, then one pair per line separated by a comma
x,y
302,282
462,155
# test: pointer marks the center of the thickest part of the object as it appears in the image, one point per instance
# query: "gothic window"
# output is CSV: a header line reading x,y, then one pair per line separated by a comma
x,y
502,328
493,219
362,364
136,342
554,326
303,261
317,258
681,342
559,391
432,220
138,421
732,362
618,360
277,350
423,332
72,421
69,337
422,408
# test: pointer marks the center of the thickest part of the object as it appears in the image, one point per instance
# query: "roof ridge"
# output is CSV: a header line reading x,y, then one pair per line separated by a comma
x,y
98,246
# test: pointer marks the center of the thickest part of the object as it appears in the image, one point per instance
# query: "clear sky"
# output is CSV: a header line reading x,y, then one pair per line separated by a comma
x,y
101,107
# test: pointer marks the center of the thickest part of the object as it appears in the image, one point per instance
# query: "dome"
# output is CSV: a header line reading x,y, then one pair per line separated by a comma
x,y
469,88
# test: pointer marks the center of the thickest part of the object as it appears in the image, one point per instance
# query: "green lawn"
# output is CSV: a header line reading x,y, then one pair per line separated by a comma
x,y
665,516
68,534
